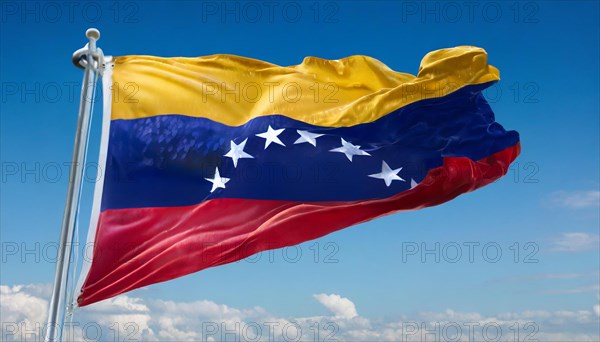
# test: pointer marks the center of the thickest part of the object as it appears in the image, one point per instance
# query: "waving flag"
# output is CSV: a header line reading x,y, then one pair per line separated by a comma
x,y
209,160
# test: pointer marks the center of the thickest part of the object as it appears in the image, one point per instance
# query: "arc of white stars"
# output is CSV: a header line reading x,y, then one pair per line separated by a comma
x,y
350,150
217,181
271,136
387,174
307,137
237,152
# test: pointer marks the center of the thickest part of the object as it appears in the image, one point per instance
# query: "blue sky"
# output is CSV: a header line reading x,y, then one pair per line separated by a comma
x,y
546,207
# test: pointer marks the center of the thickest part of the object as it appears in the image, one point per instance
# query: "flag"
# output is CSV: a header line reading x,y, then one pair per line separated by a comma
x,y
205,161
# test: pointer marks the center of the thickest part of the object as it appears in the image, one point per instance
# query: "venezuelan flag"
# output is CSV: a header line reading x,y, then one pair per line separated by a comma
x,y
209,160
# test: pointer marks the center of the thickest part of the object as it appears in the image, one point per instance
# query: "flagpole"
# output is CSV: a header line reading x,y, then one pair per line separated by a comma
x,y
89,58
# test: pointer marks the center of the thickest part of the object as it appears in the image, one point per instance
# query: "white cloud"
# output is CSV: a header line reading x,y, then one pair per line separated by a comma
x,y
581,289
575,242
121,303
339,306
159,320
577,199
553,276
22,304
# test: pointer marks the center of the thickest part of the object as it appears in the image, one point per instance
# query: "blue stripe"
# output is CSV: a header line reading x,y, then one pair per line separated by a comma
x,y
163,160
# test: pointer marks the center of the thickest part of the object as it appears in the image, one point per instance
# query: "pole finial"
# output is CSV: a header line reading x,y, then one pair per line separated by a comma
x,y
92,33
80,57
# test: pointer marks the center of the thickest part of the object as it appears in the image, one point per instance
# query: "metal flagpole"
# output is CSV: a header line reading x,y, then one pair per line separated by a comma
x,y
90,59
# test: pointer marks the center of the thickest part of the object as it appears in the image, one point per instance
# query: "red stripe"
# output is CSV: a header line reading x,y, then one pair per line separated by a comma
x,y
143,246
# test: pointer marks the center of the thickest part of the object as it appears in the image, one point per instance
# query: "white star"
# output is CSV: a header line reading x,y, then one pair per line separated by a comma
x,y
413,183
271,136
307,137
217,181
387,174
350,150
237,152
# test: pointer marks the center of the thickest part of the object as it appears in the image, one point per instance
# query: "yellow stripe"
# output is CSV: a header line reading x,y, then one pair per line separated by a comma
x,y
335,93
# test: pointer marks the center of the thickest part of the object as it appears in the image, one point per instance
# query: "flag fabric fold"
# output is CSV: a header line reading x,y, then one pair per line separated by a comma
x,y
209,160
